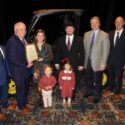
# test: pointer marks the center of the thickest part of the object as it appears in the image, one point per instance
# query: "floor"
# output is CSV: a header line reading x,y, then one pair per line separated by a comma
x,y
82,111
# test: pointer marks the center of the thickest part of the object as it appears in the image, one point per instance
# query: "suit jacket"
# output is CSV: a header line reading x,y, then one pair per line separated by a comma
x,y
100,49
3,68
75,54
15,53
117,53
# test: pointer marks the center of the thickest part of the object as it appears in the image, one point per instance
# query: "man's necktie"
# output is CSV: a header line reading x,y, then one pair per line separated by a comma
x,y
91,44
68,43
117,38
23,41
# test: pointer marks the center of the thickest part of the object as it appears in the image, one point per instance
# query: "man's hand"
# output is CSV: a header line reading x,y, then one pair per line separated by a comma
x,y
102,67
40,59
30,64
57,66
80,68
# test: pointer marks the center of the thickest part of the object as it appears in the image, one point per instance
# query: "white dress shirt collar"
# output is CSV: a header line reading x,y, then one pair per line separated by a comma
x,y
120,32
95,31
71,38
115,35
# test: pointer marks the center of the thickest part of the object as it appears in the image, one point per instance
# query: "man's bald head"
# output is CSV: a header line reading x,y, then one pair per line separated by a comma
x,y
119,22
20,29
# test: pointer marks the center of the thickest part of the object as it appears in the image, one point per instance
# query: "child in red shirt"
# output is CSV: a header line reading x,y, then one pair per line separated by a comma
x,y
46,84
67,83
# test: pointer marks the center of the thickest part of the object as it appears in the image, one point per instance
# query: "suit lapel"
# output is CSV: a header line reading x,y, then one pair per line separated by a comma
x,y
123,32
73,43
65,45
19,41
112,38
88,40
119,41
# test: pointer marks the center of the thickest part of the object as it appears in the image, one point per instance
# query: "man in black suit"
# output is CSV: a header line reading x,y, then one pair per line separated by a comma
x,y
70,47
116,61
18,65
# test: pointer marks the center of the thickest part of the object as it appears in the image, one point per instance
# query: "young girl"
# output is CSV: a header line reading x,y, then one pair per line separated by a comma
x,y
67,83
46,84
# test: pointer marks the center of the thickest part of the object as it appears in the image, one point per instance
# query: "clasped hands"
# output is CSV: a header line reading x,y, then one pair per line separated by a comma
x,y
30,64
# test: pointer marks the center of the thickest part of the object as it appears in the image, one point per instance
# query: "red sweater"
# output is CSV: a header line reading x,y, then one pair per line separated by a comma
x,y
47,81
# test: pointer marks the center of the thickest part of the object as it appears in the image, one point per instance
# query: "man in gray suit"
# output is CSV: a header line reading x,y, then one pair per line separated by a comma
x,y
96,45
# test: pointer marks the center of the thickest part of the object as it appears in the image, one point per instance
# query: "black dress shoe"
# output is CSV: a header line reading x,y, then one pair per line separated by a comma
x,y
87,95
96,101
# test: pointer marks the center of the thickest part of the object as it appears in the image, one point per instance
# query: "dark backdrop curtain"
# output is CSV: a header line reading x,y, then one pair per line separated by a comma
x,y
20,10
2,24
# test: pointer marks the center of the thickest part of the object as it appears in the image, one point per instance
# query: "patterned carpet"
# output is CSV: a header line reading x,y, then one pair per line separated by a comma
x,y
82,112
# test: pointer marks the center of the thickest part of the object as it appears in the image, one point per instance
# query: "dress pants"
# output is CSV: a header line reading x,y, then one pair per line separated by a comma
x,y
115,79
22,88
93,80
47,98
78,77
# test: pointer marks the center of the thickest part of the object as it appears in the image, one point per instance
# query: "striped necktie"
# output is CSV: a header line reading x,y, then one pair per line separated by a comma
x,y
24,41
91,44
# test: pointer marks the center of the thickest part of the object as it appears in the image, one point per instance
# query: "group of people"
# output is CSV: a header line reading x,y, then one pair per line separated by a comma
x,y
92,54
104,52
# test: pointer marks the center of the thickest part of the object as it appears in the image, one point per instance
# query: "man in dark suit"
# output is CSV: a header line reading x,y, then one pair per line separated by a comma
x,y
18,65
116,61
70,47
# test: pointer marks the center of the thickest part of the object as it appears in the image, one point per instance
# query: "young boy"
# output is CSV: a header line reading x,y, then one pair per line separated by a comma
x,y
46,84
